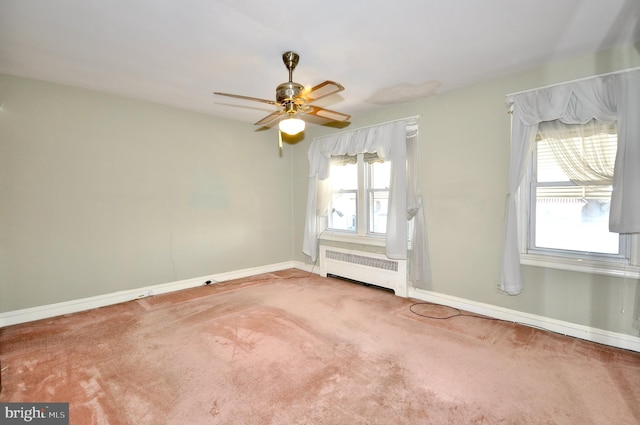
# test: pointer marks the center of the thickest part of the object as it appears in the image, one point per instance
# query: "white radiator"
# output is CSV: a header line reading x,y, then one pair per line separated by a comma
x,y
366,267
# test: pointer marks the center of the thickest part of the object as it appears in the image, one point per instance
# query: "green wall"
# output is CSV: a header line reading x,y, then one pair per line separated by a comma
x,y
464,158
101,193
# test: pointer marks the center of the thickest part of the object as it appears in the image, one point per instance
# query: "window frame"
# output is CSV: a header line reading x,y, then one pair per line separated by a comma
x,y
362,234
625,264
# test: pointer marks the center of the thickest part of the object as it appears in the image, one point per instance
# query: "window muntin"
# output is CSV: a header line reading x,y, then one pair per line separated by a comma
x,y
359,194
569,216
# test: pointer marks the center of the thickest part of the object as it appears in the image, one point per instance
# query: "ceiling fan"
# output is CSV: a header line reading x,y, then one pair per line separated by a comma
x,y
293,98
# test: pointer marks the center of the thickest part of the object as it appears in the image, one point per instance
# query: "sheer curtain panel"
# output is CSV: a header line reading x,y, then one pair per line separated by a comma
x,y
607,98
581,150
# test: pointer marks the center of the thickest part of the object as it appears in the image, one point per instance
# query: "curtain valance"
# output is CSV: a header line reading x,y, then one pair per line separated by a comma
x,y
375,139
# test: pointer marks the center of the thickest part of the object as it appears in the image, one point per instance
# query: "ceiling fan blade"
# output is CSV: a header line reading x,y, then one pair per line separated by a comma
x,y
324,113
321,90
255,99
269,118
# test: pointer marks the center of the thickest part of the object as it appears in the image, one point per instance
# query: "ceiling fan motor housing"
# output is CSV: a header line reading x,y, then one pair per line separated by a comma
x,y
288,91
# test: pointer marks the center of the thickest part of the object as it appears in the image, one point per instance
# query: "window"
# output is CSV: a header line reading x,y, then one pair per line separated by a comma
x,y
568,194
378,176
359,194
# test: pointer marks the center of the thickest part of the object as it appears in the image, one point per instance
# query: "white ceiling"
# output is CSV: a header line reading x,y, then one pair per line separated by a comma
x,y
178,52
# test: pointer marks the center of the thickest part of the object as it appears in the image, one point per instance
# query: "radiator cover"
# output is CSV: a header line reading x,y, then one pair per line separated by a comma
x,y
367,267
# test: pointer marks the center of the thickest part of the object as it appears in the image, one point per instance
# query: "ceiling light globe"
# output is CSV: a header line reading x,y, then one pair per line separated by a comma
x,y
291,126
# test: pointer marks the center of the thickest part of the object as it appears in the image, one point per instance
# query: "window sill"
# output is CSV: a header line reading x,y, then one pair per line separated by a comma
x,y
607,268
352,238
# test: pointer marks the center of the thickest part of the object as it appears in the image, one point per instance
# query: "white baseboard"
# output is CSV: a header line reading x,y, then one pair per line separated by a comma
x,y
614,339
311,268
74,306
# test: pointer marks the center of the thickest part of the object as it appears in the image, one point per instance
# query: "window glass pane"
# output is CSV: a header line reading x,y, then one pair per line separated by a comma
x,y
344,183
379,201
343,211
344,177
379,181
380,175
575,224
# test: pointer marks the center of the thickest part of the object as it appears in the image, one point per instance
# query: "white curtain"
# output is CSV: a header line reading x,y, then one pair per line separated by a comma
x,y
608,98
419,262
390,142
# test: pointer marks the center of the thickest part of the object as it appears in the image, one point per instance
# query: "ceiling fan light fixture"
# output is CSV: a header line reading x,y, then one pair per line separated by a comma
x,y
291,126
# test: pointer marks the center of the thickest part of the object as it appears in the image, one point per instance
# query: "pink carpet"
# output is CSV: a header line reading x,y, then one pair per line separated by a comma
x,y
289,348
